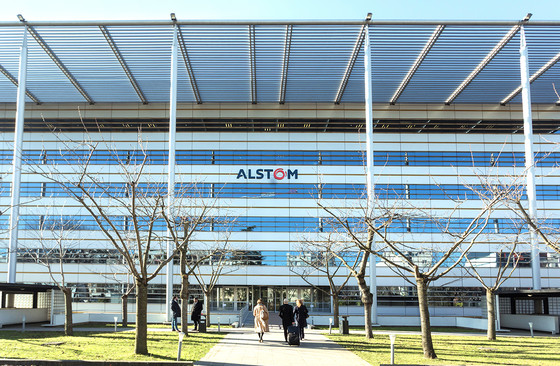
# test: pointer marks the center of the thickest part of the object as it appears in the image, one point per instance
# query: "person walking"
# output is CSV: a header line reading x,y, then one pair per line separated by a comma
x,y
301,315
196,312
176,309
260,312
287,315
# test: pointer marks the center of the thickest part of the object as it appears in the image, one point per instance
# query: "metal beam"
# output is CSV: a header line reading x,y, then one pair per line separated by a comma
x,y
424,126
252,55
108,23
171,162
121,60
473,126
15,82
188,65
60,65
350,65
485,61
533,77
17,161
285,63
370,164
404,83
529,158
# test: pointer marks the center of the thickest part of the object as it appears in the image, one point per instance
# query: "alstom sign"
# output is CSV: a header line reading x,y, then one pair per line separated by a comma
x,y
278,174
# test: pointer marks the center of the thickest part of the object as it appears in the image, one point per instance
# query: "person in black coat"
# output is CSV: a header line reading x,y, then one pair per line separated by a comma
x,y
196,311
176,309
301,315
287,315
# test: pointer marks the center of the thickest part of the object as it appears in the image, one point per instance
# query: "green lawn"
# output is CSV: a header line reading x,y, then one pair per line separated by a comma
x,y
455,350
133,325
103,345
409,329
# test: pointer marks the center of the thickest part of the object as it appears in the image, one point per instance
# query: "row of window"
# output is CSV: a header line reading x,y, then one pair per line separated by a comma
x,y
223,297
230,258
241,258
281,157
274,224
272,190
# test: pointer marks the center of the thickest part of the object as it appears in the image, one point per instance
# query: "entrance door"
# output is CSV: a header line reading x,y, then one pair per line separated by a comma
x,y
241,298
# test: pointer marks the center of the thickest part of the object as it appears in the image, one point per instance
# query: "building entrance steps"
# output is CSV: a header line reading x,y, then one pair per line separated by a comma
x,y
274,321
241,347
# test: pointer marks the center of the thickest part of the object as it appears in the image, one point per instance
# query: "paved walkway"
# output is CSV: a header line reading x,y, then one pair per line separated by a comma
x,y
241,347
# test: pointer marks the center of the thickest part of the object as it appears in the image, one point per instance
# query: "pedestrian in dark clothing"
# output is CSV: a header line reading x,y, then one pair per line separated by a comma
x,y
301,315
196,311
176,309
287,315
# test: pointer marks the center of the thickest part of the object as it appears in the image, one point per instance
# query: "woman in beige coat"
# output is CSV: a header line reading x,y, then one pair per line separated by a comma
x,y
260,312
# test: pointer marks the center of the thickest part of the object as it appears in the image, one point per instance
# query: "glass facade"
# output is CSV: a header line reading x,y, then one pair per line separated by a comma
x,y
282,157
269,218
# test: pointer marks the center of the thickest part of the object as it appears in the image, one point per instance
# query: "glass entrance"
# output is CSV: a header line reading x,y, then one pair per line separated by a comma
x,y
232,298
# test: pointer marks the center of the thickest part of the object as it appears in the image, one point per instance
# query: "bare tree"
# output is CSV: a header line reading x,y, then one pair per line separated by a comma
x,y
56,237
406,260
506,263
322,257
192,256
127,286
217,265
130,215
507,259
351,240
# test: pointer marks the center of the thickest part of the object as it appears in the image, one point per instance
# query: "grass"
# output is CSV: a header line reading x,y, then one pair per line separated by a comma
x,y
455,350
103,345
133,325
409,329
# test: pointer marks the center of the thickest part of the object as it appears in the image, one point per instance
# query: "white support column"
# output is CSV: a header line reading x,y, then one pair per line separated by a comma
x,y
529,157
370,167
171,167
497,312
16,171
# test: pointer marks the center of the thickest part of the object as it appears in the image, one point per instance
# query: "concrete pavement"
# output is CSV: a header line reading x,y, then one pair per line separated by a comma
x,y
241,347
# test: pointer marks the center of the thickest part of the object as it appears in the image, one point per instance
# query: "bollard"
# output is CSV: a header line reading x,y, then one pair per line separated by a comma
x,y
218,324
531,328
344,327
330,325
392,337
181,335
115,318
23,323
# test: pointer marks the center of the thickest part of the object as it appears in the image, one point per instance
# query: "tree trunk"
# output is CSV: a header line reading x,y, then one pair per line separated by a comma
x,y
141,341
68,325
184,303
207,306
491,310
124,310
367,300
427,344
336,311
184,294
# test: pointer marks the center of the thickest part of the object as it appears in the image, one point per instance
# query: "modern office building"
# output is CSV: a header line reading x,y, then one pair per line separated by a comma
x,y
270,119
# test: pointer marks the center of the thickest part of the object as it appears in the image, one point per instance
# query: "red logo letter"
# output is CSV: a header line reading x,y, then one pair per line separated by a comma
x,y
279,174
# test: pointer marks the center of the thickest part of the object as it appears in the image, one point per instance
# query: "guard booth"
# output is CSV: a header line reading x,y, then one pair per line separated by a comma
x,y
26,302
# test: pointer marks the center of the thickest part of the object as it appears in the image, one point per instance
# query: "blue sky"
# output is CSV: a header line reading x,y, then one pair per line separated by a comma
x,y
278,9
